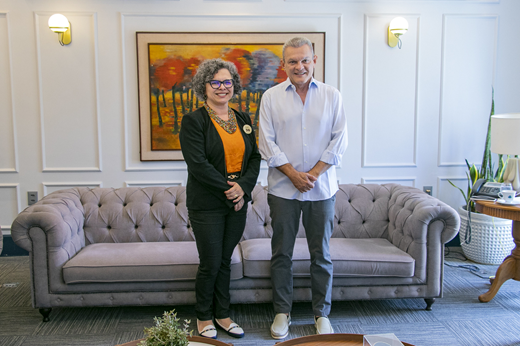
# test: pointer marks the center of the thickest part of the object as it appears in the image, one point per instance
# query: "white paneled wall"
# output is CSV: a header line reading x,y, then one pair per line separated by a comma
x,y
8,157
69,116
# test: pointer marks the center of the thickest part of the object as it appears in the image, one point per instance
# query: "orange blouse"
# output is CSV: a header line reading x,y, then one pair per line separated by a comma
x,y
234,148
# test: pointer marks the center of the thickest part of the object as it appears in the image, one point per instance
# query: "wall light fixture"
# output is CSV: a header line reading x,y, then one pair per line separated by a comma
x,y
398,26
61,25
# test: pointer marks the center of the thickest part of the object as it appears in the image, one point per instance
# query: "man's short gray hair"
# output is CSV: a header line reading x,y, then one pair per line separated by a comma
x,y
297,42
207,70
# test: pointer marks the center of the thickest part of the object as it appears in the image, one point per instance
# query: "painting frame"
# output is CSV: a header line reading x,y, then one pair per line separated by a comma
x,y
145,39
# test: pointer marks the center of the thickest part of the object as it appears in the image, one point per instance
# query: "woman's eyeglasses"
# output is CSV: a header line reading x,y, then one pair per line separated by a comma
x,y
215,84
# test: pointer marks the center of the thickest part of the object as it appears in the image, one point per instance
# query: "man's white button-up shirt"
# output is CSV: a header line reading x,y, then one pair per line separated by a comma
x,y
302,134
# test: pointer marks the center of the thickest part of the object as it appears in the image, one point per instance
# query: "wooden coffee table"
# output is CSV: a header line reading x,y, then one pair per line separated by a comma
x,y
510,268
328,340
196,339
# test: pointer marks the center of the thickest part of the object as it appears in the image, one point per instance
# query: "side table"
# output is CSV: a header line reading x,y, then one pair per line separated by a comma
x,y
510,268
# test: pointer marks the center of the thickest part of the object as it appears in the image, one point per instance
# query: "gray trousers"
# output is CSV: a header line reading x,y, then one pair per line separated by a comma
x,y
318,219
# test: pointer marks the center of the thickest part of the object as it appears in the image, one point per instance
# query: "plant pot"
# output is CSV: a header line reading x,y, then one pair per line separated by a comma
x,y
491,237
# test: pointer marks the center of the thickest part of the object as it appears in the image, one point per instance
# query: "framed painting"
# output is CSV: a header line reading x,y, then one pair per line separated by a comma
x,y
167,62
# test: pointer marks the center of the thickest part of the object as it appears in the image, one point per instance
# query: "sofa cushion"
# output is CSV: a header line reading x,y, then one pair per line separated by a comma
x,y
351,257
139,262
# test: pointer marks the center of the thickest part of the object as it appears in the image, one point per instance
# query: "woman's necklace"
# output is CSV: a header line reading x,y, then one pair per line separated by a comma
x,y
230,126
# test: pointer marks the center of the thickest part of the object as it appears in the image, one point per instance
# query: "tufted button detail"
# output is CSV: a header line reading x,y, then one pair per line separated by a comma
x,y
252,202
163,226
341,292
265,224
418,290
136,227
188,226
99,205
151,204
339,222
109,227
369,292
111,298
58,300
124,204
141,298
257,294
170,296
81,298
396,291
175,204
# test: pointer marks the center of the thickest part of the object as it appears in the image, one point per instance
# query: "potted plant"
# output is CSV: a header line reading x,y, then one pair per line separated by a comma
x,y
167,331
484,239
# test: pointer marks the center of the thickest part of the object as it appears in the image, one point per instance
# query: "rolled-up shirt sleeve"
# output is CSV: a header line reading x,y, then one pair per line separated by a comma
x,y
269,150
339,138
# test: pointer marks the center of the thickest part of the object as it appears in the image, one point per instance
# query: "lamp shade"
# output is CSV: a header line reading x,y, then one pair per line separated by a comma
x,y
398,26
58,23
505,133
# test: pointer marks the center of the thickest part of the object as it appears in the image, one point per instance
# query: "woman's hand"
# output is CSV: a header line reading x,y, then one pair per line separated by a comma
x,y
239,205
235,192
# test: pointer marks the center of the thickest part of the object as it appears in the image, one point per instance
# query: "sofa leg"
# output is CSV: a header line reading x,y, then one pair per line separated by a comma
x,y
45,313
429,303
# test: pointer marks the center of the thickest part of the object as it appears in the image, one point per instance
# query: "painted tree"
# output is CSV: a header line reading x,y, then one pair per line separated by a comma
x,y
170,76
265,75
244,62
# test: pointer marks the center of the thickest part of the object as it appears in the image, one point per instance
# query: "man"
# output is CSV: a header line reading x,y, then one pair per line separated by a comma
x,y
302,137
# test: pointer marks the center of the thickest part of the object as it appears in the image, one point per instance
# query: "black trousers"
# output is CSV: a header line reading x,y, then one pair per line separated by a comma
x,y
216,234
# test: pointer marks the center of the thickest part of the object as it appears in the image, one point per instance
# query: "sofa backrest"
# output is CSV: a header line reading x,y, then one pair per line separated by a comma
x,y
361,211
134,214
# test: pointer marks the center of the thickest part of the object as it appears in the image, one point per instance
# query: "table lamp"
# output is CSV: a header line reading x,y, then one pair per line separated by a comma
x,y
505,139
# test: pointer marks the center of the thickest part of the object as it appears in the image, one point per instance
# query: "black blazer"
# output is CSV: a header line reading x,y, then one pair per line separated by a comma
x,y
203,152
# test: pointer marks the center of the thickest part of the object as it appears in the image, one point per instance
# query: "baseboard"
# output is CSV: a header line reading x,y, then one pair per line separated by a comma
x,y
11,249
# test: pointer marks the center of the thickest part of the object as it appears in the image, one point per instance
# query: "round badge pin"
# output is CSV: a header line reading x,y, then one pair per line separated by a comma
x,y
247,129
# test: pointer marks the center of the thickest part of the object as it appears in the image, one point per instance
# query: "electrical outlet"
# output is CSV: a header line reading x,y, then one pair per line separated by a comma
x,y
32,197
428,189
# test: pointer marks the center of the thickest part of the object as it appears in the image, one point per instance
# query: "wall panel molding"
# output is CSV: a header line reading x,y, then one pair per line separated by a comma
x,y
408,181
51,187
9,206
8,137
330,23
471,45
69,98
154,183
389,120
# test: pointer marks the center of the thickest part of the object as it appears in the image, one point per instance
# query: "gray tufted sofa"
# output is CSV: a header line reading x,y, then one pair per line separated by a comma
x,y
134,246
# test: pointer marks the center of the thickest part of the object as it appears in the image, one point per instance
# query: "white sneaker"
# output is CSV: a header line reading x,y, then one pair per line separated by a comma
x,y
323,325
280,326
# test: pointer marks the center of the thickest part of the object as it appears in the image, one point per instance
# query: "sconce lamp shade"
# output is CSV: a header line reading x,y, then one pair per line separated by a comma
x,y
398,26
58,23
505,139
505,134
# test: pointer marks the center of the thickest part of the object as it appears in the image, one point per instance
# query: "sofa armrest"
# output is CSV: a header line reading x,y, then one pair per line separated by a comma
x,y
60,216
411,212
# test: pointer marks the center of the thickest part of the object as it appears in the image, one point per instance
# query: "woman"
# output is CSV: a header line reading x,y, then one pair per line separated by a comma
x,y
219,147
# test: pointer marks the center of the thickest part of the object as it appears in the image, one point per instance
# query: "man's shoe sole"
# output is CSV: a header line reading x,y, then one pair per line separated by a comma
x,y
278,337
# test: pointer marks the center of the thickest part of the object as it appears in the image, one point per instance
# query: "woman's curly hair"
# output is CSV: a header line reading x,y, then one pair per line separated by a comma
x,y
207,70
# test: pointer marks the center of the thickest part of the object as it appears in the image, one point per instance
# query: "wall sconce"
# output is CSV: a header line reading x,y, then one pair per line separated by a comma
x,y
398,26
61,25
